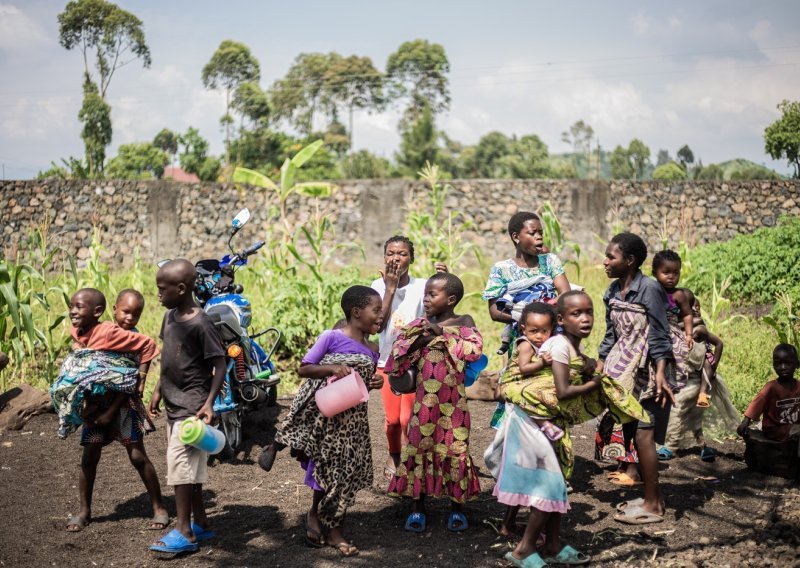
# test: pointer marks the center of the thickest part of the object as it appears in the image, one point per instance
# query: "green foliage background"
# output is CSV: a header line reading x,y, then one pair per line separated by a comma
x,y
759,265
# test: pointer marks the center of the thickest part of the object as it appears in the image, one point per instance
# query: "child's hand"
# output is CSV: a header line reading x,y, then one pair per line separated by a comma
x,y
440,267
104,419
206,414
595,379
546,358
376,382
155,400
340,371
432,328
663,392
589,367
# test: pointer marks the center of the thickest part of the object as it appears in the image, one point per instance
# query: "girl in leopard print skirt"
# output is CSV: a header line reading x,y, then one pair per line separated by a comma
x,y
335,452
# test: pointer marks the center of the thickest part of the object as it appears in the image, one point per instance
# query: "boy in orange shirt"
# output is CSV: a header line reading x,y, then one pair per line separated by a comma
x,y
105,417
778,403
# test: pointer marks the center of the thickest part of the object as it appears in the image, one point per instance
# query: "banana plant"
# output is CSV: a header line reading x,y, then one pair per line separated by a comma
x,y
287,184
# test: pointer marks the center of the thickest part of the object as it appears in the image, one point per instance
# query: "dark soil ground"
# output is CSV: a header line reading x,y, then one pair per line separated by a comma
x,y
735,519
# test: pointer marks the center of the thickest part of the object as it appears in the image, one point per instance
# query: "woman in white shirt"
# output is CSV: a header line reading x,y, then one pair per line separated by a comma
x,y
402,303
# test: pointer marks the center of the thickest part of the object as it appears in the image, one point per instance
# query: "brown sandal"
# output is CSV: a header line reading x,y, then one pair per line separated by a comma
x,y
703,400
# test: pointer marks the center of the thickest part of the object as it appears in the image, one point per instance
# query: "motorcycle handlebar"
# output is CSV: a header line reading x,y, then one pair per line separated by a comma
x,y
252,249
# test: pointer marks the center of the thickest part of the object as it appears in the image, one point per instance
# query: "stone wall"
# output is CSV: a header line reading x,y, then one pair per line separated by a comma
x,y
168,219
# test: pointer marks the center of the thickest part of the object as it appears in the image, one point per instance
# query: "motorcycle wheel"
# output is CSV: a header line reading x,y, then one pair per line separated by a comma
x,y
232,428
272,395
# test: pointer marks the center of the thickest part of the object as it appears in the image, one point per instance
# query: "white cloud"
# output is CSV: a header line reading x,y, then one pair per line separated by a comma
x,y
641,23
18,31
36,119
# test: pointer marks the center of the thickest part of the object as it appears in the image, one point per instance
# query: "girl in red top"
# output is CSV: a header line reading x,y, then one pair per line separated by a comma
x,y
778,403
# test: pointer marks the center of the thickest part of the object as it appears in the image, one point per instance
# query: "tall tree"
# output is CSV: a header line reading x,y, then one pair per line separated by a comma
x,y
527,159
639,154
115,38
230,66
195,159
417,71
418,142
252,103
167,142
621,167
663,157
114,35
782,137
95,114
579,136
304,90
685,157
354,83
489,150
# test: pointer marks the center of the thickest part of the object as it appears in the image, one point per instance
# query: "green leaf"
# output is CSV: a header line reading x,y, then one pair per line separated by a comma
x,y
305,154
7,293
313,242
57,322
252,177
316,189
287,178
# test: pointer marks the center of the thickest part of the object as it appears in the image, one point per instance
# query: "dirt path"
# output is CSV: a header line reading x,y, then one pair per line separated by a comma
x,y
742,519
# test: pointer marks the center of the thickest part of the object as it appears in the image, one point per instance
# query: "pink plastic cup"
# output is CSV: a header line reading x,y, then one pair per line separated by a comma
x,y
341,394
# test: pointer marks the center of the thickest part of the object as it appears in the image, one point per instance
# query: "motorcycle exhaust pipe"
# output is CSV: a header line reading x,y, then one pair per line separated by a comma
x,y
252,393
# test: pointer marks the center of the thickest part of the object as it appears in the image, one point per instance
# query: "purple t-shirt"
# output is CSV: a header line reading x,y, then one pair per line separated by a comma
x,y
335,341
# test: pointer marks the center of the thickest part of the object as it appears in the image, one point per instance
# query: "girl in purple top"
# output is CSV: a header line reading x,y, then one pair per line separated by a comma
x,y
335,452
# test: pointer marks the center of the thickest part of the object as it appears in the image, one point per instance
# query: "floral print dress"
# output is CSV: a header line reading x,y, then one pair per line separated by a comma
x,y
436,459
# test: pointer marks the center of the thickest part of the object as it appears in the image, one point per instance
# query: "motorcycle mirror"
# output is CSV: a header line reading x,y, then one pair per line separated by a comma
x,y
239,221
161,263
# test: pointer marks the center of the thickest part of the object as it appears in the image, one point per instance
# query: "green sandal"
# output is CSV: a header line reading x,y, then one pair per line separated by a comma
x,y
569,556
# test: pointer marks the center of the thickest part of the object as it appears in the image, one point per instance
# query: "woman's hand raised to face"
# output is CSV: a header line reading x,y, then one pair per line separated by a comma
x,y
391,274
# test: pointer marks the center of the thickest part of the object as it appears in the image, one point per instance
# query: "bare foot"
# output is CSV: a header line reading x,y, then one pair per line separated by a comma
x,y
507,530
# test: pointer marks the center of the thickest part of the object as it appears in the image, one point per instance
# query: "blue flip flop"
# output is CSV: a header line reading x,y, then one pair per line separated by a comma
x,y
416,522
569,556
174,543
201,534
664,453
530,561
459,518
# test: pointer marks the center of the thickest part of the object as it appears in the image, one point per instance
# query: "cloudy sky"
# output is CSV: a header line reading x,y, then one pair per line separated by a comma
x,y
704,73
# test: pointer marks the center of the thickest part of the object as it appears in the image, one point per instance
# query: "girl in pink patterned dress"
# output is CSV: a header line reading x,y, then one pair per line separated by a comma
x,y
436,459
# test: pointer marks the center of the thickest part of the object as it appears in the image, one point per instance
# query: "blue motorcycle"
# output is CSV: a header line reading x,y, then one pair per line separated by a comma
x,y
250,378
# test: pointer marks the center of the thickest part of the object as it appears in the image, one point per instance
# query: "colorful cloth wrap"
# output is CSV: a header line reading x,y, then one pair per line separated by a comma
x,y
628,364
536,395
436,459
89,372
